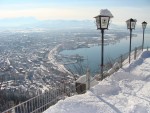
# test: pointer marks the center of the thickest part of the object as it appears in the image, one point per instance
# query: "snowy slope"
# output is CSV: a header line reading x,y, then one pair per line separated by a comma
x,y
126,91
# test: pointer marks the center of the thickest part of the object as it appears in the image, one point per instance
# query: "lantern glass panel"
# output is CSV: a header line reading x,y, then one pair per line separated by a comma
x,y
128,24
133,24
104,22
98,22
144,25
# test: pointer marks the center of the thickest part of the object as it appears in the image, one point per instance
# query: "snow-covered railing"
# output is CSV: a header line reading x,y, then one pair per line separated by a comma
x,y
114,64
43,101
39,103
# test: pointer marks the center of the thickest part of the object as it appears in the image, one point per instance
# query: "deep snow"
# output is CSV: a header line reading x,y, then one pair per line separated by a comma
x,y
126,91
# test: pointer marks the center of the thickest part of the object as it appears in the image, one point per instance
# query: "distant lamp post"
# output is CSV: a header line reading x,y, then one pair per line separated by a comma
x,y
102,22
144,27
130,25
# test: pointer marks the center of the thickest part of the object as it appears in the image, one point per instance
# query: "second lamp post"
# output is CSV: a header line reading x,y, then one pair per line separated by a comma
x,y
102,22
130,25
143,26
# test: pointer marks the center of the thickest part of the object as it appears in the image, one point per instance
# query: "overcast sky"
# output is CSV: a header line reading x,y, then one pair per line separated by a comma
x,y
76,9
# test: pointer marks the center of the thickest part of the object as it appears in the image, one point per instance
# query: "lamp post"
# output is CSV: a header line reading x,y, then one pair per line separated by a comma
x,y
102,22
143,26
130,25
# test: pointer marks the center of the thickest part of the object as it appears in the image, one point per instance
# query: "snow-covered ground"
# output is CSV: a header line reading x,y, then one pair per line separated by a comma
x,y
126,91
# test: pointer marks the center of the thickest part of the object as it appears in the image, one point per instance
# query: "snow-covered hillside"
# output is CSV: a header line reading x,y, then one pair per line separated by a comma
x,y
126,91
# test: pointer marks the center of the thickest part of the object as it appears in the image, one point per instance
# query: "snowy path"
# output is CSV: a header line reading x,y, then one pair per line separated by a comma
x,y
126,91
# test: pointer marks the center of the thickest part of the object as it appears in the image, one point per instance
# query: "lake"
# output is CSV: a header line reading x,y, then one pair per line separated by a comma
x,y
93,54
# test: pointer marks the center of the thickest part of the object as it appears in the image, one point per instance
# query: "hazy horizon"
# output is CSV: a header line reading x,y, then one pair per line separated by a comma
x,y
75,9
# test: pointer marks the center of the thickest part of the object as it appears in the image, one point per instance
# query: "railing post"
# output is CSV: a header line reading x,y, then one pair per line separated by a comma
x,y
59,92
25,107
121,60
69,90
56,95
20,110
88,79
46,99
147,48
37,102
135,53
64,87
42,108
33,104
17,111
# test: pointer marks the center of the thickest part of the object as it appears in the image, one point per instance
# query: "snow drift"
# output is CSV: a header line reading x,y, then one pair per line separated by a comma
x,y
126,91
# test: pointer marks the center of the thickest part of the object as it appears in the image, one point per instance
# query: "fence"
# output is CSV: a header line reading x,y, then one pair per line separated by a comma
x,y
43,101
114,64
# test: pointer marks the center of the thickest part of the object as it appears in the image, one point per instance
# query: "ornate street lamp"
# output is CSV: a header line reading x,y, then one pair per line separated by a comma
x,y
130,25
144,27
102,22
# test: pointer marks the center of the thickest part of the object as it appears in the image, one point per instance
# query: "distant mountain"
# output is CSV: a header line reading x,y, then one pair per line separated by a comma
x,y
64,24
53,24
29,23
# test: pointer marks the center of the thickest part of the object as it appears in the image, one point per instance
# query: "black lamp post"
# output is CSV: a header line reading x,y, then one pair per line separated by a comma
x,y
143,26
130,25
102,22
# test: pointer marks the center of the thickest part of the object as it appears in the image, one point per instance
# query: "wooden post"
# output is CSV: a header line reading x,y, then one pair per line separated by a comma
x,y
121,60
69,92
88,79
135,53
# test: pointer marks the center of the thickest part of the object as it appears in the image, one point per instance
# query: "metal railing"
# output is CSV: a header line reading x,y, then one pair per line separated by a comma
x,y
38,103
114,64
43,101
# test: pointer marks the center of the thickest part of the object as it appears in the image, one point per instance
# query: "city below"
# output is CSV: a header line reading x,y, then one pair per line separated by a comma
x,y
29,61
